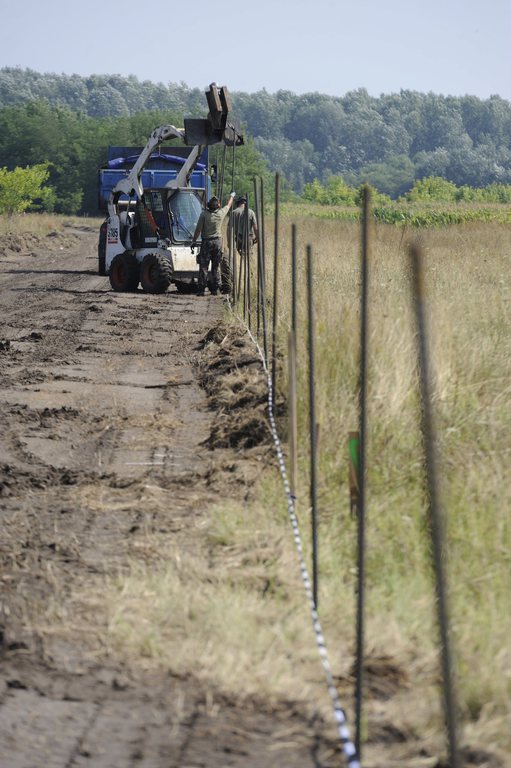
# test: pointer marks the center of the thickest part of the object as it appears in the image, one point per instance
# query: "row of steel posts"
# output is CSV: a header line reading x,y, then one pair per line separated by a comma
x,y
241,297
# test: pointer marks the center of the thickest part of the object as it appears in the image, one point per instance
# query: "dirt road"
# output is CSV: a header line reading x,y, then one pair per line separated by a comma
x,y
100,400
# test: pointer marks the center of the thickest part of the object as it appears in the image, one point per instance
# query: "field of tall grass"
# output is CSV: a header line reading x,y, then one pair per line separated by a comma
x,y
236,615
467,278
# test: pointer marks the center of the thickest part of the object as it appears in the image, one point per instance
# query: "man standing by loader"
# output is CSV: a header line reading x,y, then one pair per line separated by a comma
x,y
209,227
239,226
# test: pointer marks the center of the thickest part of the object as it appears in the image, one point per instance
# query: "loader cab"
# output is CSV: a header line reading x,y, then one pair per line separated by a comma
x,y
184,206
137,225
175,213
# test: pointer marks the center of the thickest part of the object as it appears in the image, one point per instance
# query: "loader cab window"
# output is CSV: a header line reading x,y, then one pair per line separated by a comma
x,y
154,200
184,208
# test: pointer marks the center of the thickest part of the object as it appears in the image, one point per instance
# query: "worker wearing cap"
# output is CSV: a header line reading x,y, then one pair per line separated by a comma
x,y
209,228
239,226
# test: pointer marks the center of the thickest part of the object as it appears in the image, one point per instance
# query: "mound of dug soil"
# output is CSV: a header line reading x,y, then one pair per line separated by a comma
x,y
233,376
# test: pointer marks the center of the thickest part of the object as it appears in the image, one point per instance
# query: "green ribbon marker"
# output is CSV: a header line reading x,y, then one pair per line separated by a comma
x,y
354,468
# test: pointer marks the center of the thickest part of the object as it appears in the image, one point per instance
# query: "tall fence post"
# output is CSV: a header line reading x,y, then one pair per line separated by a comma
x,y
241,282
293,416
293,429
312,428
262,273
293,280
435,518
246,246
258,294
275,290
232,256
263,240
361,545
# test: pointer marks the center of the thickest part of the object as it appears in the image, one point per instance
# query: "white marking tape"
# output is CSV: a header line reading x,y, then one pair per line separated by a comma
x,y
340,717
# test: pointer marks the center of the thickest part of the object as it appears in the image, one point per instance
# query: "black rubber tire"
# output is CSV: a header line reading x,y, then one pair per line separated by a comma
x,y
102,249
124,272
155,273
225,272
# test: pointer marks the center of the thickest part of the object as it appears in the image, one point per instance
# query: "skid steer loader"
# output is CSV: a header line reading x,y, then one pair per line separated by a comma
x,y
147,236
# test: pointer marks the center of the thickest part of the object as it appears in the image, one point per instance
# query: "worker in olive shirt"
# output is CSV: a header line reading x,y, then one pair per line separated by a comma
x,y
209,227
239,225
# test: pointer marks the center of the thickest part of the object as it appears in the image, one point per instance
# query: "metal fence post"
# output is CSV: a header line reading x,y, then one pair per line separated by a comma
x,y
275,289
361,545
435,518
312,428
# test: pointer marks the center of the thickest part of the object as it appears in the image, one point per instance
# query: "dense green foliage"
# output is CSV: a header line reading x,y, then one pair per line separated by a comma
x,y
23,188
336,192
74,146
388,141
441,216
429,190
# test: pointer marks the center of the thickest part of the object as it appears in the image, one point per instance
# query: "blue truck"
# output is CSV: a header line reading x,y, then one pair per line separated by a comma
x,y
160,168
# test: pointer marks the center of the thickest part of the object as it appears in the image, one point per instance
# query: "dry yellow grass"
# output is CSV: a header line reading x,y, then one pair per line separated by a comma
x,y
467,272
42,223
225,612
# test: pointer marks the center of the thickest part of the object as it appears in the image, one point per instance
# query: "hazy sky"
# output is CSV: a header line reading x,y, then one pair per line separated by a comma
x,y
453,47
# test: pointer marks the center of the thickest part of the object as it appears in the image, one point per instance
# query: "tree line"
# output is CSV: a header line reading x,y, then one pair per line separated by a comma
x,y
71,147
389,141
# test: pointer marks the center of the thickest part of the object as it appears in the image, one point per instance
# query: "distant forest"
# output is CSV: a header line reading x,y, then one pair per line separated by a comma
x,y
389,141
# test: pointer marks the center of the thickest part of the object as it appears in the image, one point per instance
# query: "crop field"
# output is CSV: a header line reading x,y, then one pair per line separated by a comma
x,y
407,214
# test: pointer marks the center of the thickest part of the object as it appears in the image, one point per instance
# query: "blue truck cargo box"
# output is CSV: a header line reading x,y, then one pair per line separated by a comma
x,y
150,179
160,169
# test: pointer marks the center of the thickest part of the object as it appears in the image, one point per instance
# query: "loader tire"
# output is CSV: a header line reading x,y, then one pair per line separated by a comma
x,y
102,249
124,272
156,273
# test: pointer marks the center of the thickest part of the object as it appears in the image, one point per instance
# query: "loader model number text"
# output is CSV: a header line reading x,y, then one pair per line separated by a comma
x,y
113,235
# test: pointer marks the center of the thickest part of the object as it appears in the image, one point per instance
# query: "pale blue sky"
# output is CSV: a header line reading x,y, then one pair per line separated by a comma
x,y
453,47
